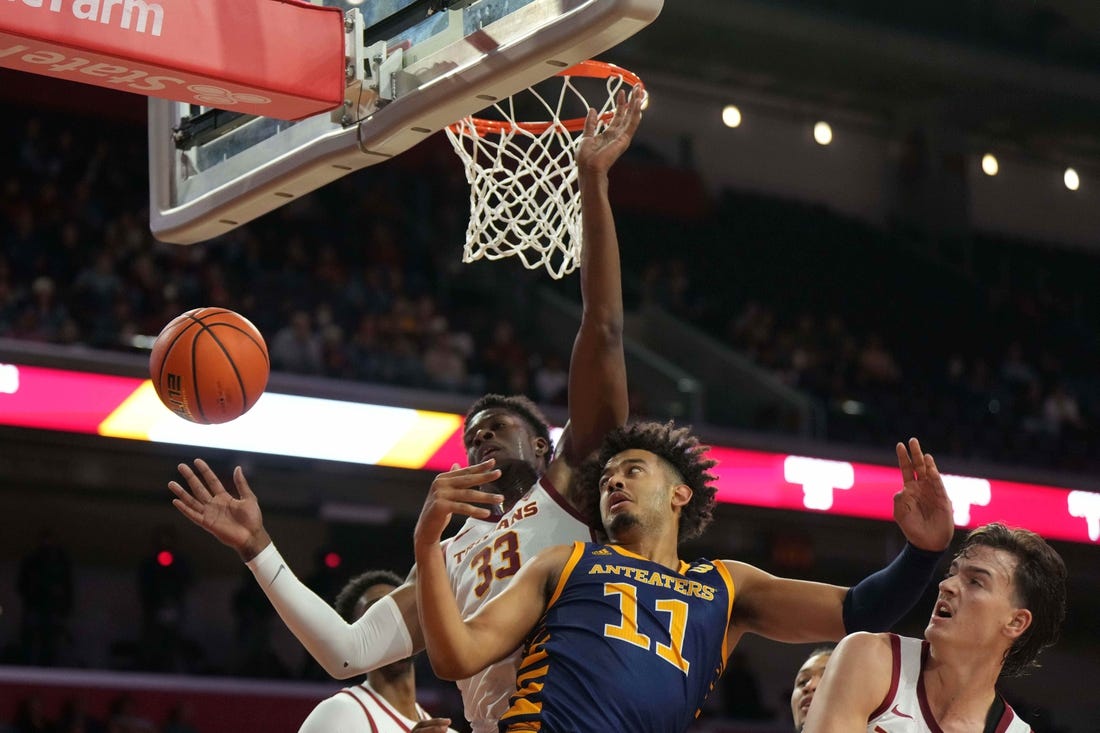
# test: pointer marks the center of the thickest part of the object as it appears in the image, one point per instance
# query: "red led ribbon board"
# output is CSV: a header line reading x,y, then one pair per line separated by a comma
x,y
275,58
84,402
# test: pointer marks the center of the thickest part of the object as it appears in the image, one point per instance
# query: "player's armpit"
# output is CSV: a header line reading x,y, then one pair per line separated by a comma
x,y
500,626
856,682
794,611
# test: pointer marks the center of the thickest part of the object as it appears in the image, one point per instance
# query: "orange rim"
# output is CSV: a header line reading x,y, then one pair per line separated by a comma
x,y
591,69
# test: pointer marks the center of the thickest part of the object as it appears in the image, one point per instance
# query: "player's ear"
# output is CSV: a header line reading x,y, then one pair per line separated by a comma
x,y
542,447
681,495
1018,624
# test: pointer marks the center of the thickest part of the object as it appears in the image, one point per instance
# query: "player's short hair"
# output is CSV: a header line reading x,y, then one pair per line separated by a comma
x,y
823,649
354,589
517,404
1040,583
678,449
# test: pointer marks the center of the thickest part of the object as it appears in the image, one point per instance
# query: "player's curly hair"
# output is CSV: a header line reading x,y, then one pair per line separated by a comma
x,y
682,453
518,404
354,589
1040,583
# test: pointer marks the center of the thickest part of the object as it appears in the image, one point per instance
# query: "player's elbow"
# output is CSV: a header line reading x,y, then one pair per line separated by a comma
x,y
450,668
603,325
341,670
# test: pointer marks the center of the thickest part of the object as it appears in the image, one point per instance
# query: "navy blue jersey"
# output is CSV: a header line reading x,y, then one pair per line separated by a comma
x,y
625,645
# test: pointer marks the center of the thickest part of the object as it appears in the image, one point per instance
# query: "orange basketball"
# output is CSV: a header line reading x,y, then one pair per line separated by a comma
x,y
209,365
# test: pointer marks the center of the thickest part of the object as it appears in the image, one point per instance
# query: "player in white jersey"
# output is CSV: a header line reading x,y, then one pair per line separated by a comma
x,y
386,701
509,430
1001,603
805,684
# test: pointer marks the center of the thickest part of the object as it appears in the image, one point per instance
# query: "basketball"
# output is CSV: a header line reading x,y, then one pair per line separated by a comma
x,y
209,365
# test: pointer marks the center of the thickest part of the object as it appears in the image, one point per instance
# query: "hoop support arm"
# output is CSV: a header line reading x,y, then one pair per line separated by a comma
x,y
275,58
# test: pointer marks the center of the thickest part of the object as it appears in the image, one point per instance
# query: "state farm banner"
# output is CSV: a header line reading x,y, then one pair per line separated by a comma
x,y
275,58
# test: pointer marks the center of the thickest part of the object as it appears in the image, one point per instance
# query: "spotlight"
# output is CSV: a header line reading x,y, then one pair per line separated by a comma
x,y
1072,180
731,116
990,166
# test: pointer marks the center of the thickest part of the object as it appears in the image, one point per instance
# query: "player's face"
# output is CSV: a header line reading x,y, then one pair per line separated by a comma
x,y
635,489
977,602
502,435
805,685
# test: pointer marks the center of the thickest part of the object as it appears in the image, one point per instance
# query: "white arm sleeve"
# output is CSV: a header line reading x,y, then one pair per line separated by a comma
x,y
379,637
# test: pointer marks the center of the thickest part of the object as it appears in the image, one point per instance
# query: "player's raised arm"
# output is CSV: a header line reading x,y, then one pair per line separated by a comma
x,y
597,370
856,680
389,631
801,611
457,647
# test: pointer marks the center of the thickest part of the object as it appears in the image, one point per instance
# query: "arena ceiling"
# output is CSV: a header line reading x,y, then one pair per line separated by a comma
x,y
1027,73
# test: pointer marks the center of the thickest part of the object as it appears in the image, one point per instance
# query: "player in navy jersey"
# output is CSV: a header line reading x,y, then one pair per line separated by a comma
x,y
625,636
1002,602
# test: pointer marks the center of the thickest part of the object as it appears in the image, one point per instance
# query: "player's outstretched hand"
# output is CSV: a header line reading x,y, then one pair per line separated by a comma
x,y
432,725
455,492
597,153
235,520
922,508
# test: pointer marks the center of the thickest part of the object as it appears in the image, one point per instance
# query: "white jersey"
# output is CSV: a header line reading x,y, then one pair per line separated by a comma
x,y
359,709
905,708
481,560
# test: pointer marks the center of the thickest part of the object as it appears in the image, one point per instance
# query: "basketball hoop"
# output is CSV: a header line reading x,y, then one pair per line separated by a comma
x,y
524,197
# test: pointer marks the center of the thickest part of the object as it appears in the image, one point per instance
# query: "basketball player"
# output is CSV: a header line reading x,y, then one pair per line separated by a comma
x,y
537,508
484,556
806,682
625,636
1002,602
386,701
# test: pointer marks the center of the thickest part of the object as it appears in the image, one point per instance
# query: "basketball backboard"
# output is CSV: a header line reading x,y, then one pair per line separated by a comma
x,y
414,67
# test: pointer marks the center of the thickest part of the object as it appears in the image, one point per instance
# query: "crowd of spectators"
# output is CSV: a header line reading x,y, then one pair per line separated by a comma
x,y
361,281
346,283
992,361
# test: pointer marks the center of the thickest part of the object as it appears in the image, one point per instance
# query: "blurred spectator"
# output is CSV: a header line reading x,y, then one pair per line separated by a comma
x,y
30,717
45,587
297,346
551,380
75,718
124,717
254,655
164,582
179,720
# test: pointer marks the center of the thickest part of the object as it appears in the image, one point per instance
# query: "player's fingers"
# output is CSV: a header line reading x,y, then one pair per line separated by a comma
x,y
471,496
184,496
590,123
213,483
904,462
466,480
198,488
918,456
243,489
432,725
187,511
449,506
930,466
473,468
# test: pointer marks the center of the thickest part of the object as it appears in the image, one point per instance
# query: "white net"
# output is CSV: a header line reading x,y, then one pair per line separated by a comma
x,y
524,197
